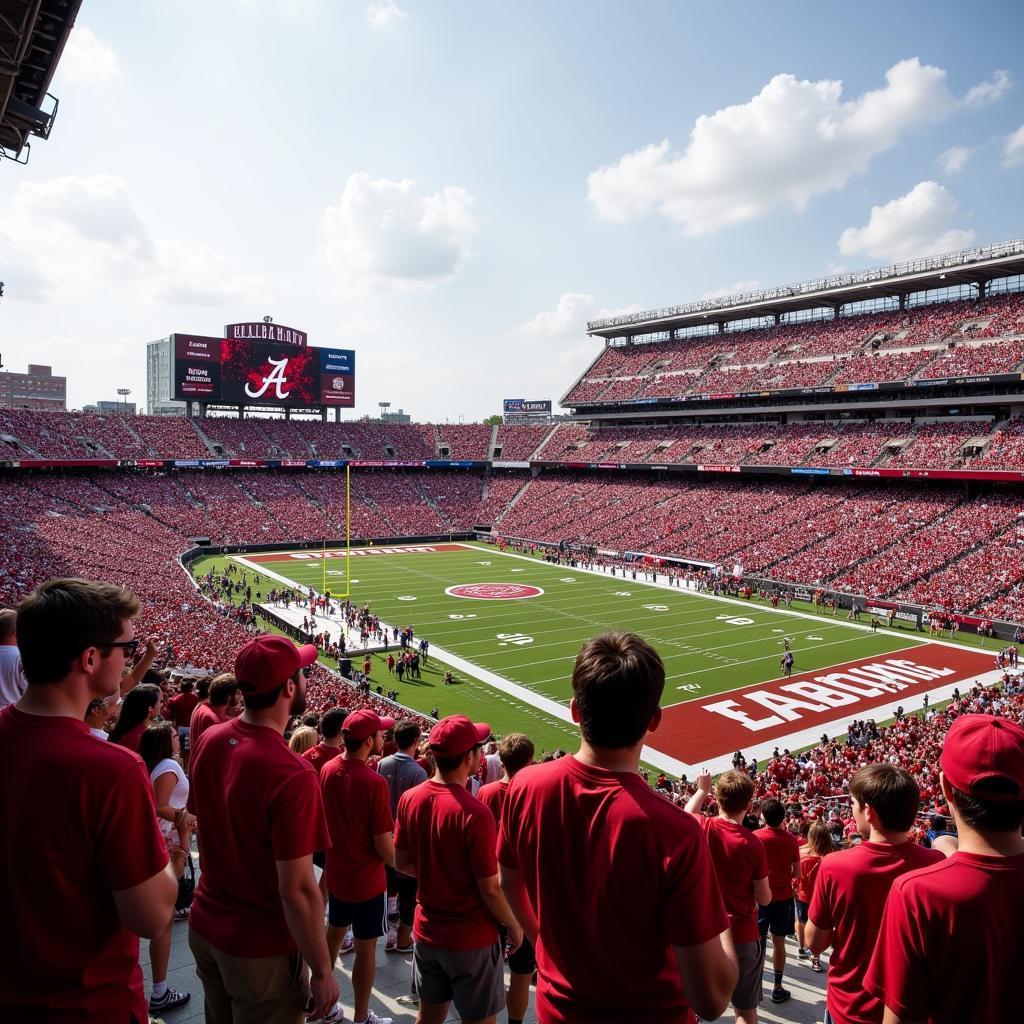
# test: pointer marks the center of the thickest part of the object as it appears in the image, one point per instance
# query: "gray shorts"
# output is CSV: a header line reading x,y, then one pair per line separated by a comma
x,y
474,979
747,993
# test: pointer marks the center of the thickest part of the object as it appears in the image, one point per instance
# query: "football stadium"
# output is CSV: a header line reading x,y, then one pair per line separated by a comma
x,y
768,543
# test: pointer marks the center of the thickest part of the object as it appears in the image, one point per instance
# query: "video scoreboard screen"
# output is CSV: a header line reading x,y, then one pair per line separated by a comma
x,y
236,371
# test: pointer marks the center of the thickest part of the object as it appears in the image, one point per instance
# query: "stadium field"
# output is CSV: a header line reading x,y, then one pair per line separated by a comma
x,y
510,627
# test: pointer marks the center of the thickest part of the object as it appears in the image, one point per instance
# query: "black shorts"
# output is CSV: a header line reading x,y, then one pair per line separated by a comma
x,y
779,918
522,961
404,887
801,910
320,859
369,918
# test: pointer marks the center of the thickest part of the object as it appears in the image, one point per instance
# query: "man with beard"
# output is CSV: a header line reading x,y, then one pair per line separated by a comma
x,y
257,919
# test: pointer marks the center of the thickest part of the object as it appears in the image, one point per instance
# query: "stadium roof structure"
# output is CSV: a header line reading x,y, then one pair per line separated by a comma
x,y
33,34
967,266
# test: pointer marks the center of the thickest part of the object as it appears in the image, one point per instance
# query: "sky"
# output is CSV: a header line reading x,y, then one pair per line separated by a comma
x,y
453,189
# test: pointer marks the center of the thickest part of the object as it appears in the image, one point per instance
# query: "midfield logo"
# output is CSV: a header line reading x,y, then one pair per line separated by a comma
x,y
277,377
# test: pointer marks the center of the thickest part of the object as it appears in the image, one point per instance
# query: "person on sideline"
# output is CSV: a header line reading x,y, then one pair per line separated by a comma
x,y
588,849
741,867
257,919
74,952
951,936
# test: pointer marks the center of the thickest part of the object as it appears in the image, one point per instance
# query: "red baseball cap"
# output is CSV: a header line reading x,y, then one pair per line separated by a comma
x,y
269,661
457,735
982,747
361,725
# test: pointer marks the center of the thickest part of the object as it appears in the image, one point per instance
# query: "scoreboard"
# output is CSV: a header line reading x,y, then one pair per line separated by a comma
x,y
239,371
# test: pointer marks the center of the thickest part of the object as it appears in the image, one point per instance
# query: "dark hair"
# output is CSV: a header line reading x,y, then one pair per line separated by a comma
x,y
64,617
331,723
773,811
203,689
516,752
351,745
186,686
891,791
445,765
937,822
617,681
222,689
990,815
407,732
261,701
312,720
734,791
155,744
134,708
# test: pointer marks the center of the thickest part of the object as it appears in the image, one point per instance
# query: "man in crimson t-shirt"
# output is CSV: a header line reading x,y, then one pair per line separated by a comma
x,y
852,886
951,935
257,918
589,851
74,946
446,838
779,917
741,867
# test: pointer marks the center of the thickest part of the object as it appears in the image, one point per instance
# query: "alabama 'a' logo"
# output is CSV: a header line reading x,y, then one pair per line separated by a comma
x,y
277,377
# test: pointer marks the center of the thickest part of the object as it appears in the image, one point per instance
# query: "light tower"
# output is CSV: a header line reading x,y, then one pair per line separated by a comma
x,y
384,406
124,393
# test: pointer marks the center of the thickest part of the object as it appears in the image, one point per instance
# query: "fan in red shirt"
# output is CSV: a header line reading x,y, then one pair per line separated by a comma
x,y
819,845
223,699
447,838
741,867
330,745
515,752
257,918
179,711
138,708
779,917
951,938
359,818
852,886
74,947
613,882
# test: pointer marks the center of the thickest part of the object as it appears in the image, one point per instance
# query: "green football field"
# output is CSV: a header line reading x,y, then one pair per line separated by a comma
x,y
709,646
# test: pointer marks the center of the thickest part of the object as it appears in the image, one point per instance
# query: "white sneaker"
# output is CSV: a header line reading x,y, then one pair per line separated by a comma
x,y
347,945
372,1018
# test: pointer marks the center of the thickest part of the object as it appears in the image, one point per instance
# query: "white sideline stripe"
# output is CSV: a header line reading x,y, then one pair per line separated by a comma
x,y
653,757
242,560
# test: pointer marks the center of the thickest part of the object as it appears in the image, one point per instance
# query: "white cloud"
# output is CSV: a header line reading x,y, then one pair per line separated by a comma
x,y
384,233
732,289
792,141
919,222
567,319
87,60
76,234
1013,148
953,159
384,13
989,91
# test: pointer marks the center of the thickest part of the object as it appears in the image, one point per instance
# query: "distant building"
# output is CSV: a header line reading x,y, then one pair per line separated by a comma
x,y
396,417
112,408
159,367
37,389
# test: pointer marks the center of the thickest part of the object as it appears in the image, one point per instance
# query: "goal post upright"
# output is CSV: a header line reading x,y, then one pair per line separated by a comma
x,y
348,531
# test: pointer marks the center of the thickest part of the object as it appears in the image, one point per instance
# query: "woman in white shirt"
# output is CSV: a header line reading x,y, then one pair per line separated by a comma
x,y
160,749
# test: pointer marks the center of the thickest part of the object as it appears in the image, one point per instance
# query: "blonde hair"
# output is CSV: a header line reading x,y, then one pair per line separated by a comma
x,y
303,739
819,840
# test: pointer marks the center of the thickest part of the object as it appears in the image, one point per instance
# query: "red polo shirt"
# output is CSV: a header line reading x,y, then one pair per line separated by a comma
x,y
739,860
320,755
451,838
257,803
70,959
202,718
492,796
357,807
180,708
783,852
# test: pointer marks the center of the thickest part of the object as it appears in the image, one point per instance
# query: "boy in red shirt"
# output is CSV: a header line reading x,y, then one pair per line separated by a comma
x,y
257,919
951,938
852,886
741,867
223,699
86,867
779,917
359,818
515,752
446,838
613,882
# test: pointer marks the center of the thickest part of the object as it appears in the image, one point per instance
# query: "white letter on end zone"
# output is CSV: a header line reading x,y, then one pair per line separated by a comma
x,y
730,709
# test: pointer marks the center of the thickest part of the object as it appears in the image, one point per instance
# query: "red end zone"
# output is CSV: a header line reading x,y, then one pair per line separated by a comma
x,y
316,556
707,727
